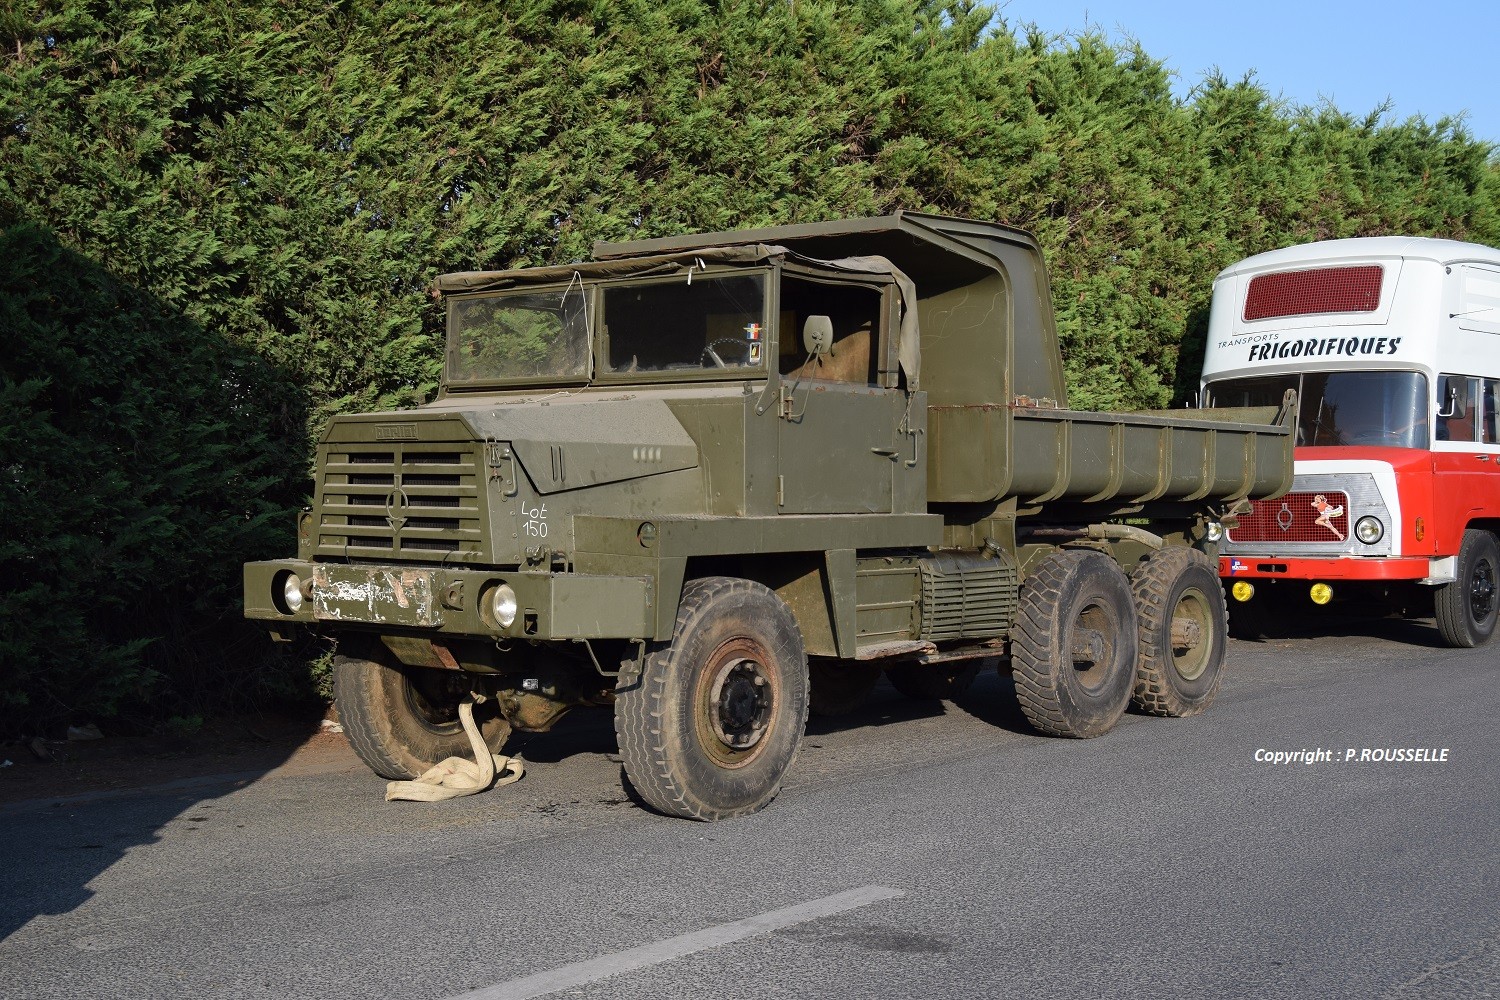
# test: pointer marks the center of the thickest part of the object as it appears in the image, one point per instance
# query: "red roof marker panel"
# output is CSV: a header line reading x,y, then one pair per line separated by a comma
x,y
1319,290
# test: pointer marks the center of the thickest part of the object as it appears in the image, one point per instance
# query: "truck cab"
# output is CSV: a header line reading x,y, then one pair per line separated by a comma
x,y
1393,347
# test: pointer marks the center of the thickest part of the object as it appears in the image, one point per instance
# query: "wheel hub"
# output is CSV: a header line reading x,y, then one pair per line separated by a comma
x,y
1192,627
740,703
1482,591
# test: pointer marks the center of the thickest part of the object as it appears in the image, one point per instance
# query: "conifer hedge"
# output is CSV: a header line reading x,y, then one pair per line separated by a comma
x,y
220,221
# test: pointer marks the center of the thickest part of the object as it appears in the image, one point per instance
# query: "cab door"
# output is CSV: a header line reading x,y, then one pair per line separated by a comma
x,y
839,435
1466,456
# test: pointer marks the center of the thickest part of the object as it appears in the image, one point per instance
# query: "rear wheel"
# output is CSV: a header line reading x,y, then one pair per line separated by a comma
x,y
713,722
1181,623
402,720
1466,608
1073,648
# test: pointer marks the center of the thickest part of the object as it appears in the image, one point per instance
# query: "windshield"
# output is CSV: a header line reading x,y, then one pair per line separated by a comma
x,y
711,324
1341,408
519,335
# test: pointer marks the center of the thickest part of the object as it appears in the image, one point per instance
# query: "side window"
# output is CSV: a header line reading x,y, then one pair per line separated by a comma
x,y
1458,408
659,326
855,311
1479,299
1490,397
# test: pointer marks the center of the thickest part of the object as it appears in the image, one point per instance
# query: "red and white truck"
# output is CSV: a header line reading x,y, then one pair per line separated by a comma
x,y
1393,346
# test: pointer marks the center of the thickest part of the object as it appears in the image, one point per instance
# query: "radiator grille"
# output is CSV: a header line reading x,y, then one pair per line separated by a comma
x,y
414,501
1294,518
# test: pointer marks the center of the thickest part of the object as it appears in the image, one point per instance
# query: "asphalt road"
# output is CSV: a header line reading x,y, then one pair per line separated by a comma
x,y
916,851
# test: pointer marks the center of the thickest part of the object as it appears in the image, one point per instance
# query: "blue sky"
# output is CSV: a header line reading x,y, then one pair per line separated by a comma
x,y
1429,59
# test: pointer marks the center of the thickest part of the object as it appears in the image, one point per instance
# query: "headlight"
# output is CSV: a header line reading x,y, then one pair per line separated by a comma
x,y
1214,531
503,605
291,593
1369,530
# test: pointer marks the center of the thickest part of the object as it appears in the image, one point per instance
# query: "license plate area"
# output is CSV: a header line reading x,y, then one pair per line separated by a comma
x,y
380,594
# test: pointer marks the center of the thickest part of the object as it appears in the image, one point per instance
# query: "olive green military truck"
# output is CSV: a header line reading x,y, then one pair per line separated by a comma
x,y
718,480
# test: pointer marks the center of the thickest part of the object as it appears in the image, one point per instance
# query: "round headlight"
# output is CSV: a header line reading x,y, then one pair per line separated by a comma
x,y
291,592
1214,531
1369,530
503,605
1242,590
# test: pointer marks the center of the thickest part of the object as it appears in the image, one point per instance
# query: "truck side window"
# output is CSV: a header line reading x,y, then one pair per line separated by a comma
x,y
658,326
1458,406
1490,396
855,311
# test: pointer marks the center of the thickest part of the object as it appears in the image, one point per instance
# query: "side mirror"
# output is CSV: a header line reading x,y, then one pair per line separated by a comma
x,y
817,335
1450,409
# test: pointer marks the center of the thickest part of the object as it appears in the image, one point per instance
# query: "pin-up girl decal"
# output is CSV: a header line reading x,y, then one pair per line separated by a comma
x,y
1326,513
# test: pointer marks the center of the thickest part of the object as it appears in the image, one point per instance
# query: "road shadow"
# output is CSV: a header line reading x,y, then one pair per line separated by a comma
x,y
57,844
587,730
146,458
1421,632
990,699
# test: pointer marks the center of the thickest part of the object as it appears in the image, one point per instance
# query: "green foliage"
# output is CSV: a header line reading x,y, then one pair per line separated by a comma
x,y
221,220
141,457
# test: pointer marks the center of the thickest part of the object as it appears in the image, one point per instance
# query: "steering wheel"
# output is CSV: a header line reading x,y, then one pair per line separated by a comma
x,y
709,354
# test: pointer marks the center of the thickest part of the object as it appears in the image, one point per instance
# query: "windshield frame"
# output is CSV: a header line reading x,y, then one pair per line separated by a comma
x,y
593,307
450,347
1307,426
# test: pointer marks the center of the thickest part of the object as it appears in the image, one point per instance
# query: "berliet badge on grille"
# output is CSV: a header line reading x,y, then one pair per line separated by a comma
x,y
396,503
1284,517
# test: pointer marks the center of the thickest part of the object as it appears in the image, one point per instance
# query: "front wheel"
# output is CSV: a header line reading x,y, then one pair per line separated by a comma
x,y
1179,606
403,720
714,720
1466,608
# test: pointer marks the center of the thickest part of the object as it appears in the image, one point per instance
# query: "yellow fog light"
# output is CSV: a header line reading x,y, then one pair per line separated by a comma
x,y
1321,593
1242,590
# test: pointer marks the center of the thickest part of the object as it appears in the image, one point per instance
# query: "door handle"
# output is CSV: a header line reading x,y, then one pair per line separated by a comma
x,y
886,452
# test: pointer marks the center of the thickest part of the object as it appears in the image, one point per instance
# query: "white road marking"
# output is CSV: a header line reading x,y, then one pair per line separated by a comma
x,y
579,973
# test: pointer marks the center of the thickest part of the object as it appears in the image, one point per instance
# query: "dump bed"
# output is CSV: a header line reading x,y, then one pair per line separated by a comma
x,y
998,425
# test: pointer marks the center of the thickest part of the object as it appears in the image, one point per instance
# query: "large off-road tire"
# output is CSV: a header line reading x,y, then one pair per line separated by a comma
x,y
1073,647
839,686
1466,608
933,683
402,720
1181,622
714,720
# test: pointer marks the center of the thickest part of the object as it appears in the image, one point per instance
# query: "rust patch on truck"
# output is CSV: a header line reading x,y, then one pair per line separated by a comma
x,y
375,594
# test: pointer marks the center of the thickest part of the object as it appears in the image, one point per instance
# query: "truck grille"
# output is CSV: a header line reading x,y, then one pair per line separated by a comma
x,y
412,501
1293,518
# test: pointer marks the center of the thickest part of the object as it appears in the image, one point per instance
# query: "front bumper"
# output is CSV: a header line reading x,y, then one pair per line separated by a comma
x,y
437,600
1280,567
